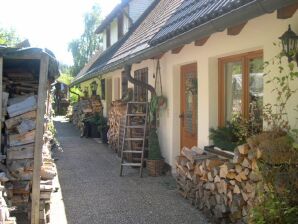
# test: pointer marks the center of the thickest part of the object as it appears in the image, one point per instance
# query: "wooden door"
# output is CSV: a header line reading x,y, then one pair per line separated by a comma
x,y
189,105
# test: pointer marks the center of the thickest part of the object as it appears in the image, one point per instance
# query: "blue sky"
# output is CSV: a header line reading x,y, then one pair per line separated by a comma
x,y
50,23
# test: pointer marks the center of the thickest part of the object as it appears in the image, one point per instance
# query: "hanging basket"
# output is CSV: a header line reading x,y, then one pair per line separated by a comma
x,y
155,167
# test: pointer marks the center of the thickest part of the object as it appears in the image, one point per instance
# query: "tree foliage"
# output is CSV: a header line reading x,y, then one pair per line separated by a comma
x,y
65,78
83,47
8,37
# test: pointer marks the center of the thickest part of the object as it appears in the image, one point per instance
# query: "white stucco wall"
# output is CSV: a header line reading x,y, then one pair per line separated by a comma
x,y
258,34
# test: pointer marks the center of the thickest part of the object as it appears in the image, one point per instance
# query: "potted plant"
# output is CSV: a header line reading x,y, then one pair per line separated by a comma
x,y
155,161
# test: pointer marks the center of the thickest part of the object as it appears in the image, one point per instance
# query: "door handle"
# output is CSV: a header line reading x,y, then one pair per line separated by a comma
x,y
181,115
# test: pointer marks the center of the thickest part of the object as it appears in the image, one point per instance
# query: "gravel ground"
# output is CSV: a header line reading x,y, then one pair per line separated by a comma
x,y
92,192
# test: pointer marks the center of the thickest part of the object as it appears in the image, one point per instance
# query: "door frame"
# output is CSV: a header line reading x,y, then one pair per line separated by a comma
x,y
183,69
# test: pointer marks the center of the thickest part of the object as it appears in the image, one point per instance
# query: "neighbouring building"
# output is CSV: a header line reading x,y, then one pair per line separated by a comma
x,y
210,55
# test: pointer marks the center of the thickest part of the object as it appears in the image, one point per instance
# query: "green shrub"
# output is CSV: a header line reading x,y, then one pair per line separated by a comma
x,y
154,147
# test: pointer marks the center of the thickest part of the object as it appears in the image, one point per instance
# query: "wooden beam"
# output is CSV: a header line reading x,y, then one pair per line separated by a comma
x,y
235,30
42,91
287,12
158,56
1,93
202,41
177,50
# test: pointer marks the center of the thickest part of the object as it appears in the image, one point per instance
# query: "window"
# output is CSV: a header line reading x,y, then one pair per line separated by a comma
x,y
124,84
108,33
241,86
140,93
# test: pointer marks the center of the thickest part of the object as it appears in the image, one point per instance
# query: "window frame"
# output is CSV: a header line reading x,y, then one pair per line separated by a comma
x,y
244,59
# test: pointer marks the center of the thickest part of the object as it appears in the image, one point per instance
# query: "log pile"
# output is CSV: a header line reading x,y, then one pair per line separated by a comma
x,y
116,113
85,108
20,131
19,107
225,189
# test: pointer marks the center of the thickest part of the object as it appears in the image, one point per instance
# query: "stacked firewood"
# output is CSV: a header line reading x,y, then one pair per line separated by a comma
x,y
20,130
116,113
20,113
48,173
20,82
85,108
19,104
225,189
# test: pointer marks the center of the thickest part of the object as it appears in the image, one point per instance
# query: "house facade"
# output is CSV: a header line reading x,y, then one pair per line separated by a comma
x,y
210,56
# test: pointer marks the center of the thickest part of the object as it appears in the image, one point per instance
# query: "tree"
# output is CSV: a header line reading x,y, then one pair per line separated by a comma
x,y
8,37
83,47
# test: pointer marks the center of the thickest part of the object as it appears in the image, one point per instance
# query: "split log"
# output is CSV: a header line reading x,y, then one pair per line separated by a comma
x,y
20,152
211,163
27,105
25,126
243,149
223,172
222,187
12,122
21,139
189,154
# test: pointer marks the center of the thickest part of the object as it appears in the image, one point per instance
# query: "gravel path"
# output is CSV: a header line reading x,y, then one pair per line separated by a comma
x,y
93,192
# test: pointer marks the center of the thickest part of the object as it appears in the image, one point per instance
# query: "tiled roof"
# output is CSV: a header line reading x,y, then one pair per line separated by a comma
x,y
138,38
168,23
193,13
154,22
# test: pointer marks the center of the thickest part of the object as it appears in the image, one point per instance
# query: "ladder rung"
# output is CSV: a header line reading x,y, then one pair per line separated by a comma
x,y
132,151
133,102
134,139
140,148
131,164
135,126
135,115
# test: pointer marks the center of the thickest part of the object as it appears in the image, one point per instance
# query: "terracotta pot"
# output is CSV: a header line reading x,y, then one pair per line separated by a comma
x,y
155,167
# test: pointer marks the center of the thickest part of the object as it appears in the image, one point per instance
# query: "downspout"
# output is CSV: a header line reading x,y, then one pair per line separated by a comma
x,y
127,70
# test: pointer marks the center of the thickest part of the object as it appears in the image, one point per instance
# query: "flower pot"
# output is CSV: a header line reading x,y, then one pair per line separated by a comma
x,y
155,167
94,133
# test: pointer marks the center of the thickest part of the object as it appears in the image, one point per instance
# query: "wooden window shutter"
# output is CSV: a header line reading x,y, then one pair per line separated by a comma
x,y
108,34
120,26
124,84
141,94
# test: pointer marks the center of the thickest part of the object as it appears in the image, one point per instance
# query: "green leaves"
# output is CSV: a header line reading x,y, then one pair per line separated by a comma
x,y
85,46
9,37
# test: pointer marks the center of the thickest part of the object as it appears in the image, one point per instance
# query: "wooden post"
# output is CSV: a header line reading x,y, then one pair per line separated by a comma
x,y
42,91
1,91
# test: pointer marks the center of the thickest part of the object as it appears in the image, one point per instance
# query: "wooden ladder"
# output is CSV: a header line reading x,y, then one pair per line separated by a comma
x,y
135,120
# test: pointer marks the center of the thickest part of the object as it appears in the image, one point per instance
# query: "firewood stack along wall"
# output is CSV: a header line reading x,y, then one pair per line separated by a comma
x,y
20,94
224,189
116,113
84,109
